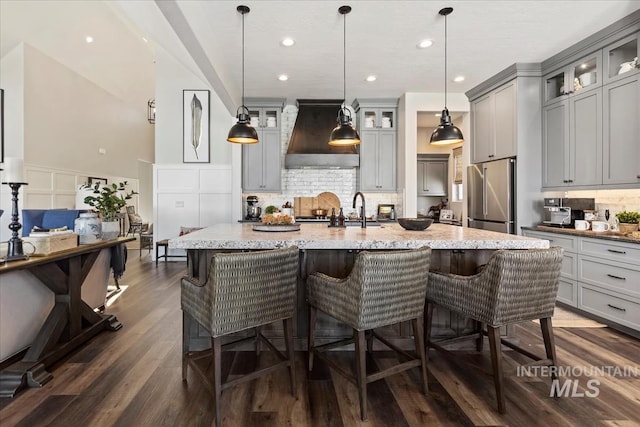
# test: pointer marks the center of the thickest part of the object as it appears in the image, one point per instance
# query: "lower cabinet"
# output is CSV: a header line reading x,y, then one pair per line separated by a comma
x,y
600,277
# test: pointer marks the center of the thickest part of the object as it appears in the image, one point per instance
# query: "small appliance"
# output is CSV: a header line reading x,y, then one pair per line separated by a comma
x,y
563,212
253,211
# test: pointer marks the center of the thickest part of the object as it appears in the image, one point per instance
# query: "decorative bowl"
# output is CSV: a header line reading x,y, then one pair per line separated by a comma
x,y
415,224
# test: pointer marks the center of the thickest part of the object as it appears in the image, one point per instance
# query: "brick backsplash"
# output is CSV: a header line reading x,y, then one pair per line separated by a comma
x,y
311,182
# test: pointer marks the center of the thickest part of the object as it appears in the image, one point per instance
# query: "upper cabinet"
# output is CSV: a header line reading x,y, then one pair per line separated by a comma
x,y
262,162
579,76
433,175
621,58
376,123
591,130
493,124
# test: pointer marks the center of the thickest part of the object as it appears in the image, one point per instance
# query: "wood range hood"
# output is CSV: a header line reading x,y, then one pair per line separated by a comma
x,y
308,146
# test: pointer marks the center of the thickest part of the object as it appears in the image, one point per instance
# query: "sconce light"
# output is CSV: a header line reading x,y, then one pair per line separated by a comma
x,y
151,111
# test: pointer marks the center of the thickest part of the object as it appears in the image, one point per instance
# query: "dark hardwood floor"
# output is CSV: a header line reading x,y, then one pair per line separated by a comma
x,y
132,377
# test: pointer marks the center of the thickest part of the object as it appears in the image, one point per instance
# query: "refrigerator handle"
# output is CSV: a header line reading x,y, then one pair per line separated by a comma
x,y
484,191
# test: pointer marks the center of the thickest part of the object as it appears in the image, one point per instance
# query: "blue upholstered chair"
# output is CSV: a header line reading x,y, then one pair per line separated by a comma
x,y
48,218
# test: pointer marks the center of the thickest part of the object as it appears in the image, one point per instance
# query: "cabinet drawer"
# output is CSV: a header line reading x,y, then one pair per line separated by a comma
x,y
624,252
610,274
568,292
623,311
569,243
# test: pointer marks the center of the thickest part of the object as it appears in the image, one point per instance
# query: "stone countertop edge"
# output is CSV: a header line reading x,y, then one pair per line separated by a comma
x,y
319,236
584,233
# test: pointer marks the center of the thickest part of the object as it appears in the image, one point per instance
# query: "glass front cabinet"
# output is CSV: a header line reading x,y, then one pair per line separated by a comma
x,y
621,58
582,75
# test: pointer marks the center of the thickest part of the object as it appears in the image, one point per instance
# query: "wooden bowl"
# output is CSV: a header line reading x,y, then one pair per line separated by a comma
x,y
415,224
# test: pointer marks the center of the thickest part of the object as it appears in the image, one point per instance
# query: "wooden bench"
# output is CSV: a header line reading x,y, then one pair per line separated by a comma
x,y
165,244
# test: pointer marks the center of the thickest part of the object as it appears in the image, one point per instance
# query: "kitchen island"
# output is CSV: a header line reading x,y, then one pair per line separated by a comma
x,y
333,250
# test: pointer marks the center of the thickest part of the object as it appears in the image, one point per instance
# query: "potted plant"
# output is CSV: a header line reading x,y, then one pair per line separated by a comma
x,y
628,221
108,200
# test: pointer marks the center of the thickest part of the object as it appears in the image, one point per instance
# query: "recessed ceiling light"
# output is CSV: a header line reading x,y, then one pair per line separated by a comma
x,y
288,42
283,77
425,44
89,39
144,39
458,79
371,78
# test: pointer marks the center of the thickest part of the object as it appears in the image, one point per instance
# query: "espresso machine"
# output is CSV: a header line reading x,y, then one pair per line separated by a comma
x,y
253,210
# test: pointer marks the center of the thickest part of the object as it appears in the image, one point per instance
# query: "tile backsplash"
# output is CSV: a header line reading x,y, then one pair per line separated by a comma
x,y
614,200
311,182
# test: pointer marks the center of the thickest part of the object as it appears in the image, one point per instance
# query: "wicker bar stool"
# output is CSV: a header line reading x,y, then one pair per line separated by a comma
x,y
384,288
243,290
514,286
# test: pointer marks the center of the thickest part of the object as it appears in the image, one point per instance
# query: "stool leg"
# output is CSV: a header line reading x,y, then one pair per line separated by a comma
x,y
186,329
288,334
157,252
313,313
496,362
480,340
549,343
428,320
361,372
258,332
216,348
418,335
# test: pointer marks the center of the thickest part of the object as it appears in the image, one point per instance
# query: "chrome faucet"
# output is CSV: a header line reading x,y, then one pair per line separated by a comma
x,y
363,216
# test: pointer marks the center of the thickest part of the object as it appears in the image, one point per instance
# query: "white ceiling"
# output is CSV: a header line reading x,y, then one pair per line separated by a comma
x,y
484,37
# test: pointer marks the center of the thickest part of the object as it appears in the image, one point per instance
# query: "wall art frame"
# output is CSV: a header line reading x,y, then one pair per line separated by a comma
x,y
195,126
95,180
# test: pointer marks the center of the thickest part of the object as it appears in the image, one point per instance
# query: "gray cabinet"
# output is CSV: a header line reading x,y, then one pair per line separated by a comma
x,y
493,124
621,131
618,58
579,76
572,141
432,177
261,162
376,125
378,161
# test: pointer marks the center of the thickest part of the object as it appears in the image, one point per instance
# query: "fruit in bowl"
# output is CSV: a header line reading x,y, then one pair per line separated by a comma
x,y
277,219
415,224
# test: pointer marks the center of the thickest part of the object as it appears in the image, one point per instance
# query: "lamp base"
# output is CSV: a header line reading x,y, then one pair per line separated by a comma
x,y
15,251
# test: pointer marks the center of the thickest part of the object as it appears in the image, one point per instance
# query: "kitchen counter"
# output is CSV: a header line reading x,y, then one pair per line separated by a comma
x,y
606,235
319,236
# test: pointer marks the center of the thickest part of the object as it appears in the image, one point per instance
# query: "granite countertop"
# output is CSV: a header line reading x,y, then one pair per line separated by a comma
x,y
606,235
319,236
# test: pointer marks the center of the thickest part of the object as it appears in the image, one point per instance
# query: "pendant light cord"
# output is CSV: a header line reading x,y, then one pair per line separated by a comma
x,y
445,62
344,62
243,59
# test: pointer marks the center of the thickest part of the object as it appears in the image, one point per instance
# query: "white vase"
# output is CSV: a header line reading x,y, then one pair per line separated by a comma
x,y
110,230
88,227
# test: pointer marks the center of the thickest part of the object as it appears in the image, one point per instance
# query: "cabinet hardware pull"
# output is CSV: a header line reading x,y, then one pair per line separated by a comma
x,y
616,252
616,308
616,277
638,176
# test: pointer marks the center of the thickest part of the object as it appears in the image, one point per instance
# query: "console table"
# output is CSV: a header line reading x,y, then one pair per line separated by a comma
x,y
69,324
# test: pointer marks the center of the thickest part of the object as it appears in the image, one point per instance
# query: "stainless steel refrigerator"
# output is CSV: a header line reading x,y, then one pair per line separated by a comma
x,y
491,197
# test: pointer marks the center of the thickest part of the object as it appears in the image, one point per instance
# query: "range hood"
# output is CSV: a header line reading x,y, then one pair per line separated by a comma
x,y
308,146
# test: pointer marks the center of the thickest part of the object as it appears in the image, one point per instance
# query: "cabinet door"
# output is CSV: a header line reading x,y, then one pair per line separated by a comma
x,y
618,56
387,161
586,138
482,129
432,178
504,122
621,142
271,164
369,161
252,166
555,144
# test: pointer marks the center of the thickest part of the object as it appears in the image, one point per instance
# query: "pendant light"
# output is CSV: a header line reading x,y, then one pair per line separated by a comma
x,y
242,132
344,134
446,133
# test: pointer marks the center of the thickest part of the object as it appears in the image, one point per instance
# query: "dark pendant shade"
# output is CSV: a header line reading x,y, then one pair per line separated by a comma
x,y
344,134
242,132
446,133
